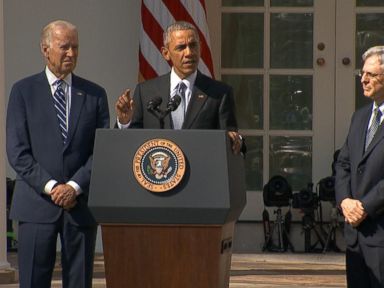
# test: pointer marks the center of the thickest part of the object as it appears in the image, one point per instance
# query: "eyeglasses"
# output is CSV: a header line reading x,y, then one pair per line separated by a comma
x,y
369,75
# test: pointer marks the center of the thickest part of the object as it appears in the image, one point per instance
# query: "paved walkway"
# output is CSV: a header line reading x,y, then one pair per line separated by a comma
x,y
256,271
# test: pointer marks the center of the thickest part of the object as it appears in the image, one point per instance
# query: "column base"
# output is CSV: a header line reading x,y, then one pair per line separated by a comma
x,y
8,276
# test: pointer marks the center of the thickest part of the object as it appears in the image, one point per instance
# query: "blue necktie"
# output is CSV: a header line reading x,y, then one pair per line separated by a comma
x,y
179,114
61,108
374,126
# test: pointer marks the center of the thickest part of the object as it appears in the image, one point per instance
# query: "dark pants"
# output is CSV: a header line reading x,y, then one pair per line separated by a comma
x,y
37,253
365,266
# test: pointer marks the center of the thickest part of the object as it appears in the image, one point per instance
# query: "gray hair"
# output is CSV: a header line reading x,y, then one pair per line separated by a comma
x,y
46,34
375,51
178,26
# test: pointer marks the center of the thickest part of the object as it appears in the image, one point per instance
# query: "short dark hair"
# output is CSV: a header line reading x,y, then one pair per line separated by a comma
x,y
177,26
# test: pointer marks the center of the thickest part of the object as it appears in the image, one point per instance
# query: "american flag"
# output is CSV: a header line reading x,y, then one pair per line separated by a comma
x,y
156,15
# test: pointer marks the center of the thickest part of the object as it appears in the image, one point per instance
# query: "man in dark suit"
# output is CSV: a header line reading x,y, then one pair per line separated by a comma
x,y
205,103
360,180
50,145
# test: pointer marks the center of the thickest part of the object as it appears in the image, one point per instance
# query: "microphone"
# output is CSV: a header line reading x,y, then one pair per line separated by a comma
x,y
173,103
153,104
154,109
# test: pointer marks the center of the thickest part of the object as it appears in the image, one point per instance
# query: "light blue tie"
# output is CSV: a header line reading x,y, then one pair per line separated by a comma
x,y
61,108
179,114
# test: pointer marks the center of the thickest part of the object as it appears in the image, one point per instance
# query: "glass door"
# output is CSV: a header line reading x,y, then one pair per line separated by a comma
x,y
277,56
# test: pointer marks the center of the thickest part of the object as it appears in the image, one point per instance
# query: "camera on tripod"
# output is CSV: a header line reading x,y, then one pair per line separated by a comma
x,y
277,193
305,199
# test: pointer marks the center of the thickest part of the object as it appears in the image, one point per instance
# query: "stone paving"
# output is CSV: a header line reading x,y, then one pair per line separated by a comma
x,y
255,271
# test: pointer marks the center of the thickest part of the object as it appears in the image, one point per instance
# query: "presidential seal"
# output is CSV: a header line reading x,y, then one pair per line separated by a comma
x,y
159,165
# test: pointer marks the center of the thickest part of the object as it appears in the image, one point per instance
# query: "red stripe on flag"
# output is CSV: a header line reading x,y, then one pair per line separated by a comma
x,y
181,14
145,68
151,27
203,4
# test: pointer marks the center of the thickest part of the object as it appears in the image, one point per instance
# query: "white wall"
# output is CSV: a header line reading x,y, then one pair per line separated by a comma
x,y
108,34
3,244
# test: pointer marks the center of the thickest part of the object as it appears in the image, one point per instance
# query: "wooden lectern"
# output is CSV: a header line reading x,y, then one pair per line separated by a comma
x,y
180,238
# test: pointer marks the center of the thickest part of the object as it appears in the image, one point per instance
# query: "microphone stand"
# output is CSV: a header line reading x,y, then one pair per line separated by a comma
x,y
158,115
161,114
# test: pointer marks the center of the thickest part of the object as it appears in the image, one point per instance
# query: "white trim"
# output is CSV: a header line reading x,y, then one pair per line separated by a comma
x,y
3,202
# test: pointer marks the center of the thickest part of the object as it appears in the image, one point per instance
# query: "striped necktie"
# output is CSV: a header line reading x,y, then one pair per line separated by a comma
x,y
179,114
61,108
374,126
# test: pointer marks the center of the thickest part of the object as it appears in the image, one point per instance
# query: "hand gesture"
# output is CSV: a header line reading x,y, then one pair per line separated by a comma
x,y
124,107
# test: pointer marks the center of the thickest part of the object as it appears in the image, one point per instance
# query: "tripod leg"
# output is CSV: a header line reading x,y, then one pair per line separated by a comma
x,y
268,241
326,246
288,242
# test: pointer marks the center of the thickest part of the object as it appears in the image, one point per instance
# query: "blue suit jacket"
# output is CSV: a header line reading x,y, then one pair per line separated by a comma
x,y
360,175
36,152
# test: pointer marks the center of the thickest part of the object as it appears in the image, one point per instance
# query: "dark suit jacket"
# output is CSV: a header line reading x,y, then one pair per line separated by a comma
x,y
360,175
211,106
35,149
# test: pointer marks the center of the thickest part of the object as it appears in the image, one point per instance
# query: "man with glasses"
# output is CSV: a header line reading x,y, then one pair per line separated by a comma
x,y
360,180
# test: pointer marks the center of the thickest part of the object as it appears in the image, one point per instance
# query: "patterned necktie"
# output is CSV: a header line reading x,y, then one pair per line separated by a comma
x,y
179,114
374,126
61,108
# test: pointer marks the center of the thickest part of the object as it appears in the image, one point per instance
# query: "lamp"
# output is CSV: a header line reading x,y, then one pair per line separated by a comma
x,y
277,192
327,189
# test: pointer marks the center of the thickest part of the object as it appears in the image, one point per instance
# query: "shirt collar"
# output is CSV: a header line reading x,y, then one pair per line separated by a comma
x,y
52,78
189,81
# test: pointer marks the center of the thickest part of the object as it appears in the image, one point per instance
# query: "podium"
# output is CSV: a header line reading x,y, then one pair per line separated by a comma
x,y
180,237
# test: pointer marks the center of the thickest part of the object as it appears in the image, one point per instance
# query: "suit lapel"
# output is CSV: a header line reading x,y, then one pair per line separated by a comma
x,y
196,102
77,101
378,136
163,91
48,106
164,88
376,139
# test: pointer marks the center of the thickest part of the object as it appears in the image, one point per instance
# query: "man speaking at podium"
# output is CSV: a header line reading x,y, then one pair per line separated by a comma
x,y
195,101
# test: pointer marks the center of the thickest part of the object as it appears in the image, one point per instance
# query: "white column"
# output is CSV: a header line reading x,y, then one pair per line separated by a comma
x,y
3,226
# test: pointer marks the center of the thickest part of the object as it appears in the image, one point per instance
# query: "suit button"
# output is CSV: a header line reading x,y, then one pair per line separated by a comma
x,y
359,171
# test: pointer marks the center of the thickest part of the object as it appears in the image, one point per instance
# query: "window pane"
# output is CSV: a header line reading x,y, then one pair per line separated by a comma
x,y
292,3
248,90
291,102
370,3
291,157
254,163
242,40
369,32
243,3
291,40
